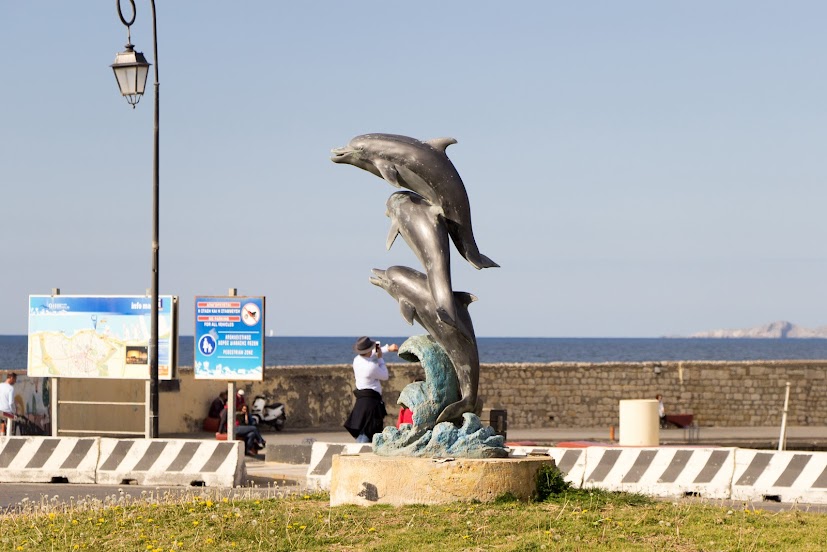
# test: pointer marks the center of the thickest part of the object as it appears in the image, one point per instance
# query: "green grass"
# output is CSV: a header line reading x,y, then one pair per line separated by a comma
x,y
570,520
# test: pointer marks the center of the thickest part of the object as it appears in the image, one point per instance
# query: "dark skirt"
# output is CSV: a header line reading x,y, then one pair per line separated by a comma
x,y
368,414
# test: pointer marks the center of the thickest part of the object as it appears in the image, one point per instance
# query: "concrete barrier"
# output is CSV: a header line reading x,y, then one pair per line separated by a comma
x,y
48,459
287,453
171,462
783,476
570,461
663,472
321,461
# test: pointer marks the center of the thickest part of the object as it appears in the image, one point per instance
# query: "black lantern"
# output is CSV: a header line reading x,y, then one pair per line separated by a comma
x,y
131,69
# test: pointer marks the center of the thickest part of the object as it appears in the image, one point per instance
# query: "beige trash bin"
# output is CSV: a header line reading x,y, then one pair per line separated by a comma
x,y
639,423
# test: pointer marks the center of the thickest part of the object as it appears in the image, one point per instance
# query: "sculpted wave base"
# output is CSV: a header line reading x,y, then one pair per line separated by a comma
x,y
427,399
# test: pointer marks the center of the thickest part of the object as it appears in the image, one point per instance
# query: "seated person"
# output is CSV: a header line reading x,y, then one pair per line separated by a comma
x,y
212,420
244,430
217,405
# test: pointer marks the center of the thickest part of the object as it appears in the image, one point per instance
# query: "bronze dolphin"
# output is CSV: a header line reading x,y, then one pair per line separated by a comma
x,y
410,288
419,224
424,168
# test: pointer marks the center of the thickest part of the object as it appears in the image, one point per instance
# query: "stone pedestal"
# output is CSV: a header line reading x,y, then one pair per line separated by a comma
x,y
368,479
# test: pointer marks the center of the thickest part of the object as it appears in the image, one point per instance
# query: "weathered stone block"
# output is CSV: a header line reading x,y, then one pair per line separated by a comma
x,y
367,479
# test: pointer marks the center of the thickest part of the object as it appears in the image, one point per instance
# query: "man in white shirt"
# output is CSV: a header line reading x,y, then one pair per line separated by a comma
x,y
7,406
367,416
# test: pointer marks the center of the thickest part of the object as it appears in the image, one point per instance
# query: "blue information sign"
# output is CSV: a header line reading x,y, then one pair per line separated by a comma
x,y
82,336
229,338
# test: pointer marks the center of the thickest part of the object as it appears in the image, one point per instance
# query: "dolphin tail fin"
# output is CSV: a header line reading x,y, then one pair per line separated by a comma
x,y
481,262
487,263
467,247
453,412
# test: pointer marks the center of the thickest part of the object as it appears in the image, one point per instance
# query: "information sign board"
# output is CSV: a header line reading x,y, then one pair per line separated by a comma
x,y
229,338
83,336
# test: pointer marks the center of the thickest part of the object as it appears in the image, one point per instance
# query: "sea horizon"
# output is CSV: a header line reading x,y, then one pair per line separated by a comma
x,y
327,350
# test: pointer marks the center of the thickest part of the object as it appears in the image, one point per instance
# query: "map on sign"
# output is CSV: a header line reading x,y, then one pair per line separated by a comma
x,y
229,343
98,336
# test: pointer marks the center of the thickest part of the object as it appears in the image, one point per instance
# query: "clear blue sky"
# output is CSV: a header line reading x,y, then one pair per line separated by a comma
x,y
636,168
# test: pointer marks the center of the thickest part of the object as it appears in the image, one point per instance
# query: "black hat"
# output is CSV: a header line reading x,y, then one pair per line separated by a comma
x,y
363,345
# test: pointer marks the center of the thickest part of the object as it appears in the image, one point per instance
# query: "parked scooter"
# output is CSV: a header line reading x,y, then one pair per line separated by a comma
x,y
272,414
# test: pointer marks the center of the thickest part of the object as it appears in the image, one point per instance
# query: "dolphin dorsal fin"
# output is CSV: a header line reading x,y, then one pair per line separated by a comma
x,y
440,144
408,311
464,298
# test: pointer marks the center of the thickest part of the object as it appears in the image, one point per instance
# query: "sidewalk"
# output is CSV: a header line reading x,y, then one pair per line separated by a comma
x,y
287,456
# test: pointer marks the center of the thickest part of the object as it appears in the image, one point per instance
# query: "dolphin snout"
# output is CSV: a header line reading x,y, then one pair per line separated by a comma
x,y
379,278
340,154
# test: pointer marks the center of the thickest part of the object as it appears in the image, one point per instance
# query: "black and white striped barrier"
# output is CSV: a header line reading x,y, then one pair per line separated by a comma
x,y
321,461
121,461
662,472
721,473
171,462
783,476
48,459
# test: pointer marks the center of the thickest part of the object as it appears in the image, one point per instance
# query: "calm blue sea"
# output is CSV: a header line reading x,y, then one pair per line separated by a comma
x,y
289,351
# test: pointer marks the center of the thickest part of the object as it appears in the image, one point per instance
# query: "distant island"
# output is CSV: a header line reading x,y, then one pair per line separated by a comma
x,y
774,330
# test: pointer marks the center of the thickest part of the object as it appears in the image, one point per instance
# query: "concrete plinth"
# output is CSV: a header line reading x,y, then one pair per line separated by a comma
x,y
365,480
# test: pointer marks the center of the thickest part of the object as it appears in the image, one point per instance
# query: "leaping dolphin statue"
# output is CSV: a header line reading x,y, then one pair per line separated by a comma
x,y
419,224
410,288
422,167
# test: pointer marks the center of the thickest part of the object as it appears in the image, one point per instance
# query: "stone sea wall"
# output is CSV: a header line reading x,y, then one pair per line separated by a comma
x,y
535,395
717,393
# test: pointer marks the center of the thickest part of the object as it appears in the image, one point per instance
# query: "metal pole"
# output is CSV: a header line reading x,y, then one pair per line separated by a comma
x,y
153,343
782,439
54,404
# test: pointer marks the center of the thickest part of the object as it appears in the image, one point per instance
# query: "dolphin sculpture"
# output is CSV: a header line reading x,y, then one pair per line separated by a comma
x,y
411,289
422,167
419,224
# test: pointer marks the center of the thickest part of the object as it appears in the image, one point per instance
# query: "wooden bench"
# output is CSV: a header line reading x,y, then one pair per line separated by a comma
x,y
681,420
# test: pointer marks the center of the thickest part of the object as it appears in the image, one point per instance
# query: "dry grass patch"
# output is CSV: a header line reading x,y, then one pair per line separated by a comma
x,y
573,520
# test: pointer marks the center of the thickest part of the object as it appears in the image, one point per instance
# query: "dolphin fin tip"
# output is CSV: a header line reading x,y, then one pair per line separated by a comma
x,y
444,317
485,262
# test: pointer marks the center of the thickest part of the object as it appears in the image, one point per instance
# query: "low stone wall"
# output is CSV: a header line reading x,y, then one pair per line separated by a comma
x,y
716,393
535,395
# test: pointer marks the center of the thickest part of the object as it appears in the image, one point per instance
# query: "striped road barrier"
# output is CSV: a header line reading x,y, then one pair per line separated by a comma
x,y
662,472
709,472
320,470
782,476
171,462
48,459
570,461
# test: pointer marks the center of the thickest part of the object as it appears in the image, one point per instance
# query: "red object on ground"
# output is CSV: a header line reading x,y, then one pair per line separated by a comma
x,y
211,424
405,417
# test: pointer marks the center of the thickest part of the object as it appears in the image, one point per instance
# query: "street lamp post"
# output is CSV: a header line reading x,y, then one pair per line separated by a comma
x,y
131,70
